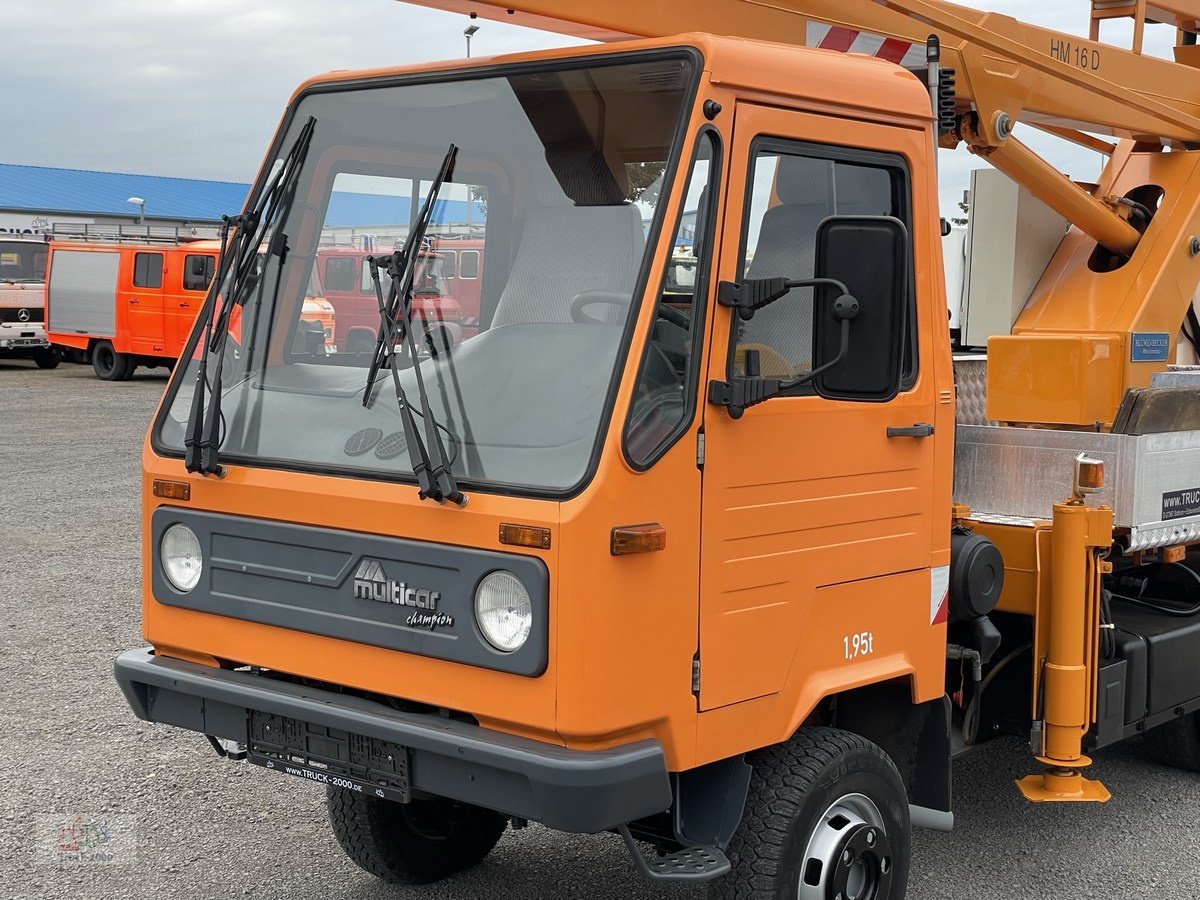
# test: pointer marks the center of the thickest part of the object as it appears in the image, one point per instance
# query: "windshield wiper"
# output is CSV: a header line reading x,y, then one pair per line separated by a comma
x,y
435,481
238,271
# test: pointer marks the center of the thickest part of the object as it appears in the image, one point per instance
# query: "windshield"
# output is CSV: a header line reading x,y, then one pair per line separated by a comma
x,y
22,261
556,183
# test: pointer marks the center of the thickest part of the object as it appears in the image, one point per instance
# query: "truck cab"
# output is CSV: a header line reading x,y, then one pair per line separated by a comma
x,y
703,512
23,301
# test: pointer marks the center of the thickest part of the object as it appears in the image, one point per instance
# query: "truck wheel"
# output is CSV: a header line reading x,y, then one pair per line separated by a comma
x,y
412,843
109,365
48,358
1177,743
826,817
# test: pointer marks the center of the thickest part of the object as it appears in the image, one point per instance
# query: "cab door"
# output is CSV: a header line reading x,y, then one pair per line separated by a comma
x,y
187,296
816,513
145,301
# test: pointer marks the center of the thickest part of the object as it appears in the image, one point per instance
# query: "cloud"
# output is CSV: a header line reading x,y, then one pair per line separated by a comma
x,y
194,88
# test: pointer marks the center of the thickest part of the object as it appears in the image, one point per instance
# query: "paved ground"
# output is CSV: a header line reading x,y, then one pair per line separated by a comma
x,y
73,753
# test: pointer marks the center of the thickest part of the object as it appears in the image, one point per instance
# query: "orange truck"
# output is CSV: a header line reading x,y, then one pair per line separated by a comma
x,y
129,304
725,552
22,301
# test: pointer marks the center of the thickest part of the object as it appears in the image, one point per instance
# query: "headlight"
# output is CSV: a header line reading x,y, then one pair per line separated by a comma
x,y
503,611
182,560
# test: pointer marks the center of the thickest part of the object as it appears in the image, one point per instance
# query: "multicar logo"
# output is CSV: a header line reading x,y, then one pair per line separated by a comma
x,y
372,583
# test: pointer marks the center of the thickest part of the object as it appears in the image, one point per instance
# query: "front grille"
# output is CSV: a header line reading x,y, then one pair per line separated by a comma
x,y
13,314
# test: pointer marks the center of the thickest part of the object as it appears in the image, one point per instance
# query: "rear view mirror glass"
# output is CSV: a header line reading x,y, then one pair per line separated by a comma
x,y
869,255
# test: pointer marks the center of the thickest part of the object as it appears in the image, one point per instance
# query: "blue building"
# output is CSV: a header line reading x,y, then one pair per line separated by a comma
x,y
35,198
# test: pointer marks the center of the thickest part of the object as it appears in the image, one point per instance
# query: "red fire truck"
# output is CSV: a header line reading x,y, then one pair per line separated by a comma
x,y
346,275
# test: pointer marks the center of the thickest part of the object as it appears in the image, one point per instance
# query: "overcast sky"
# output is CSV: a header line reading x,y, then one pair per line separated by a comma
x,y
194,88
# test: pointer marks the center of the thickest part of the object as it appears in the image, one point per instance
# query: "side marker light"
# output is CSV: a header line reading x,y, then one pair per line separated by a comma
x,y
172,490
628,539
525,536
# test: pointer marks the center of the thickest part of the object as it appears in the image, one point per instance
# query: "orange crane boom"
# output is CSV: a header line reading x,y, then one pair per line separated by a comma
x,y
1034,74
1009,71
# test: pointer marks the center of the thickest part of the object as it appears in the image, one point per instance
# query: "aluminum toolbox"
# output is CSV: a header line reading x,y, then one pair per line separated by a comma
x,y
1152,481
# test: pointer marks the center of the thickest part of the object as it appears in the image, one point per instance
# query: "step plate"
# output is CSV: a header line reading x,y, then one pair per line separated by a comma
x,y
688,864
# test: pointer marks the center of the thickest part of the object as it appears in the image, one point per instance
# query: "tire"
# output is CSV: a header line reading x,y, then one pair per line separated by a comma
x,y
811,799
1176,744
412,843
109,365
48,358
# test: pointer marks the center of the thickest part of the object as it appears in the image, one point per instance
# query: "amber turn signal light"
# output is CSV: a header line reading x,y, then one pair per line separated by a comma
x,y
627,539
525,536
172,490
1089,475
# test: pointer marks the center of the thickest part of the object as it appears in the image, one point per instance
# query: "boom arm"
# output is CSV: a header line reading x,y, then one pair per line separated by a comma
x,y
1008,72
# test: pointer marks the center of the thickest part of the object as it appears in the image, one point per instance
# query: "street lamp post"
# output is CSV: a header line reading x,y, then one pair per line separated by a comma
x,y
468,33
141,205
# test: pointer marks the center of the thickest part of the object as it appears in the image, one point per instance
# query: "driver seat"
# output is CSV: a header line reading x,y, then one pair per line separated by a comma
x,y
583,236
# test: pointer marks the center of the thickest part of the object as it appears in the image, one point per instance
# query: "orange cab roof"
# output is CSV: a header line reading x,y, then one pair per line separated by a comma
x,y
832,80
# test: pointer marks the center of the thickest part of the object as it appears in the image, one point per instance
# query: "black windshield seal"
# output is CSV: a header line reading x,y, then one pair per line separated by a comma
x,y
684,52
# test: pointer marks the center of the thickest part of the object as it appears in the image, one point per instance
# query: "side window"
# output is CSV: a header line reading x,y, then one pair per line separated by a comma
x,y
665,395
468,264
340,273
793,188
197,271
148,270
450,262
365,284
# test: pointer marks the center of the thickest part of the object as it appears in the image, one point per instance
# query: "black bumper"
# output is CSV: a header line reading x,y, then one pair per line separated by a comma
x,y
570,790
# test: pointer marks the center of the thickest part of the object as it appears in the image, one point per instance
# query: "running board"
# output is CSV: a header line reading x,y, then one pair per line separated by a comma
x,y
688,864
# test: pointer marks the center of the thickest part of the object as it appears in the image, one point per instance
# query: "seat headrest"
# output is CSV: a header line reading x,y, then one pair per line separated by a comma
x,y
803,181
864,191
585,175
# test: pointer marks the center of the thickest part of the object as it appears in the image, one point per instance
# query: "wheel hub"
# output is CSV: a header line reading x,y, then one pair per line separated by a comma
x,y
848,856
863,870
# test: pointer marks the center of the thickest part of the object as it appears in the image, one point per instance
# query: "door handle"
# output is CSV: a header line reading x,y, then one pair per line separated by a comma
x,y
912,431
134,301
185,305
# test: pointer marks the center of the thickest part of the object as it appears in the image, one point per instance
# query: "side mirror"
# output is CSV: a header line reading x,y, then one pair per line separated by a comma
x,y
869,255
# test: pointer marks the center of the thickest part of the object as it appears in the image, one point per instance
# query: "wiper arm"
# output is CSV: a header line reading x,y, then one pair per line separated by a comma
x,y
434,478
418,457
237,271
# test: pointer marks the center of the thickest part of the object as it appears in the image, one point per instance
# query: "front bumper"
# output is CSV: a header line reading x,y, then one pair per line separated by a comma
x,y
26,339
570,790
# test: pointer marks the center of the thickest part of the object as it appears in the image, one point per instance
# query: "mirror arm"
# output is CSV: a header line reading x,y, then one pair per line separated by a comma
x,y
740,393
754,293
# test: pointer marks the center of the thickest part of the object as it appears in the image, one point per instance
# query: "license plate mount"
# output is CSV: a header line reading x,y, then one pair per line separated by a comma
x,y
317,753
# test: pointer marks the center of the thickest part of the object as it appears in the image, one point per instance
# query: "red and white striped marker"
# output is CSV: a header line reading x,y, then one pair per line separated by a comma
x,y
847,40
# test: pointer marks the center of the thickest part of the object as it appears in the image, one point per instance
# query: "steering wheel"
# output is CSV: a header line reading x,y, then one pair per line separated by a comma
x,y
588,298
